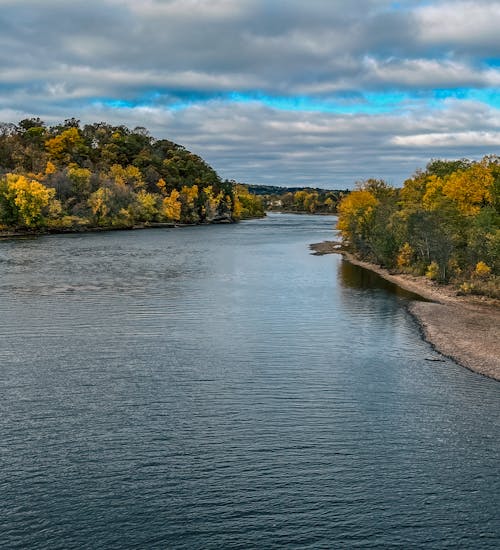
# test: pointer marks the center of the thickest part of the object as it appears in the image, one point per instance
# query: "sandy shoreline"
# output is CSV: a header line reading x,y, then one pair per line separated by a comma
x,y
464,328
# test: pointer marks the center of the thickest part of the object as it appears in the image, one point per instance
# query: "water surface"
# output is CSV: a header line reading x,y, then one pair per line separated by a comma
x,y
220,387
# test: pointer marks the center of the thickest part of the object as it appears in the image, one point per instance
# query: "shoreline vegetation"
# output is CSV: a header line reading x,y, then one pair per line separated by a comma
x,y
464,328
69,179
299,200
438,236
444,224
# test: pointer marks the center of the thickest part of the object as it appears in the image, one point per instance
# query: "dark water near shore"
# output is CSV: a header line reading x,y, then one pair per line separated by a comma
x,y
219,387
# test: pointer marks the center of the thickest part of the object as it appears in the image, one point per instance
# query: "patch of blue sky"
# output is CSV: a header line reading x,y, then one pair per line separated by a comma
x,y
343,104
175,101
493,62
116,103
488,96
346,103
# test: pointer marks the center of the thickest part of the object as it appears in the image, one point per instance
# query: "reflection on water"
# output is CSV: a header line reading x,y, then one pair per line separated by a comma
x,y
357,277
220,387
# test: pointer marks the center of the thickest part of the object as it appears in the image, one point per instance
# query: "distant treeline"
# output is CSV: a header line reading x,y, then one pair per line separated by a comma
x,y
72,177
444,223
299,199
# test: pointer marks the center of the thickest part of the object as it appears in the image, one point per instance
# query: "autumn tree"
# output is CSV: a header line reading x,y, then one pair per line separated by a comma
x,y
172,206
356,212
66,147
99,202
23,201
146,208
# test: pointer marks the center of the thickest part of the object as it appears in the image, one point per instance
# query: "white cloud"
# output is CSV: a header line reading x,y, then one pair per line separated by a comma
x,y
463,23
255,144
428,73
449,139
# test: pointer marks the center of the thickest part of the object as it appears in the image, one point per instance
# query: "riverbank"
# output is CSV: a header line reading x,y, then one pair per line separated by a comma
x,y
302,212
464,328
99,229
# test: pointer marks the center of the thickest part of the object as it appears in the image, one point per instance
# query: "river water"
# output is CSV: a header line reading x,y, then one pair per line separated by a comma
x,y
220,387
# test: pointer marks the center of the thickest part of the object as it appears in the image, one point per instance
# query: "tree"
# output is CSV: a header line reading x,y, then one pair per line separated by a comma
x,y
470,189
172,206
66,147
99,202
147,208
127,176
356,212
23,201
189,198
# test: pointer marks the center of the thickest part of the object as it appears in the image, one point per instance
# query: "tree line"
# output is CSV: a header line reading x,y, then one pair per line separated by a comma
x,y
69,177
299,199
443,223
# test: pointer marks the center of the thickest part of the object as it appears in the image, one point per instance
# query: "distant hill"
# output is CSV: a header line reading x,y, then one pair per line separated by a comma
x,y
278,190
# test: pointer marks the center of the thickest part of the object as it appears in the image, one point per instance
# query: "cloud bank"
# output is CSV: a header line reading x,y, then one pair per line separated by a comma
x,y
321,93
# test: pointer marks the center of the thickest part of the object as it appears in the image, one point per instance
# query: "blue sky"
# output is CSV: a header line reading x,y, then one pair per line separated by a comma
x,y
321,93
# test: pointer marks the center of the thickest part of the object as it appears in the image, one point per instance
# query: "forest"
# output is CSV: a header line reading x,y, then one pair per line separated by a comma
x,y
443,223
299,199
73,177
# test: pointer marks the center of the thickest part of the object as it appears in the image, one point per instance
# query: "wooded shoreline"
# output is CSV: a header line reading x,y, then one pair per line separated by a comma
x,y
463,328
99,229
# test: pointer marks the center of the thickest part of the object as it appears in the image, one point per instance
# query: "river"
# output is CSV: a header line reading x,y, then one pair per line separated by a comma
x,y
220,387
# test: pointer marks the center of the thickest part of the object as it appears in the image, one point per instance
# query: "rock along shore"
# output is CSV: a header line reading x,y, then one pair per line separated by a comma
x,y
464,328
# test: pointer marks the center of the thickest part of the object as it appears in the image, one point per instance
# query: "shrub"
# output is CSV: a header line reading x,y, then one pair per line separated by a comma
x,y
432,272
405,256
482,270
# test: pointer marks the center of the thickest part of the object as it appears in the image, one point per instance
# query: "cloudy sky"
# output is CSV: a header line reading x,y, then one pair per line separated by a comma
x,y
286,92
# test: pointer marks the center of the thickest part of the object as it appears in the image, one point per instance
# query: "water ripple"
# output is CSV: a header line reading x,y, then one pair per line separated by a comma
x,y
219,387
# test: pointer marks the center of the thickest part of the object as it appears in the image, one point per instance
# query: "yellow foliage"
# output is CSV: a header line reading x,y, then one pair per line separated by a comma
x,y
466,288
482,270
99,203
60,147
171,206
130,175
405,256
55,209
212,201
305,200
330,204
80,178
432,271
299,196
189,194
124,218
414,189
470,189
433,192
237,208
50,168
355,212
29,197
162,186
244,205
147,204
